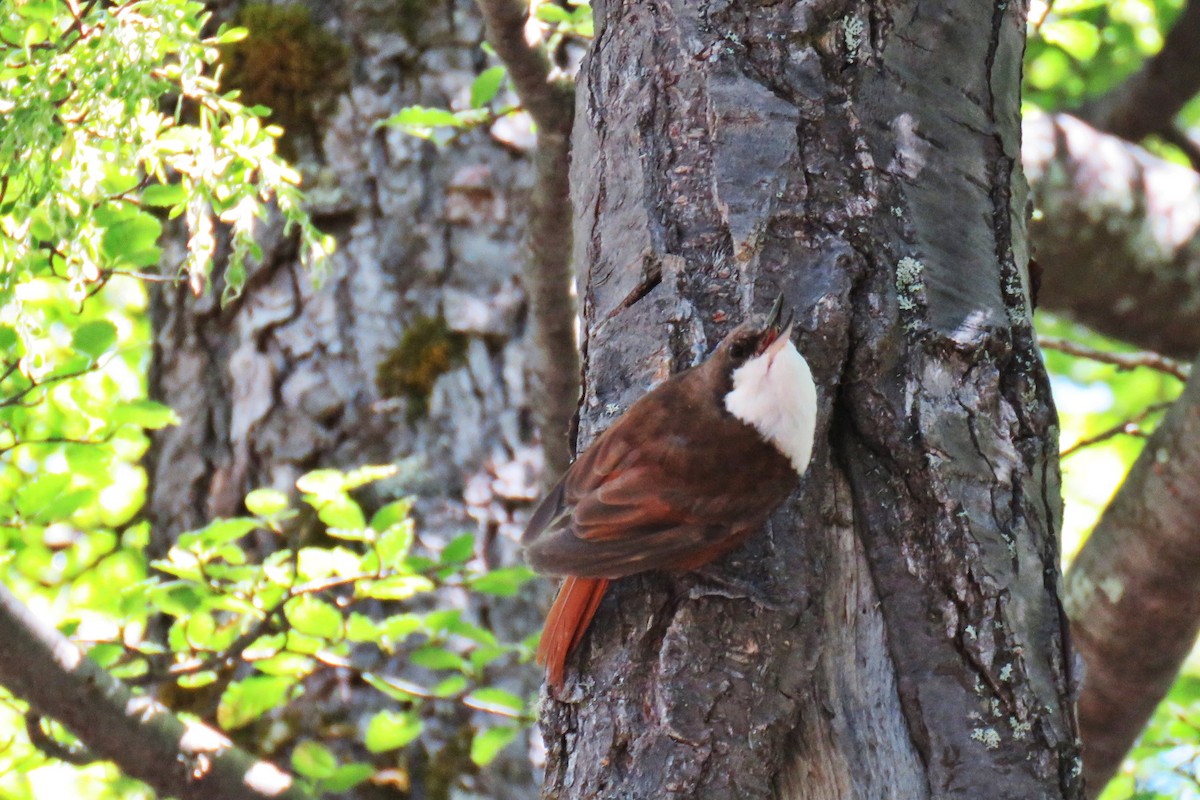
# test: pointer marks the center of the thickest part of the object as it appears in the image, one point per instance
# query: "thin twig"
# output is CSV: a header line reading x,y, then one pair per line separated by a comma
x,y
550,101
1129,427
149,277
1122,361
78,755
57,440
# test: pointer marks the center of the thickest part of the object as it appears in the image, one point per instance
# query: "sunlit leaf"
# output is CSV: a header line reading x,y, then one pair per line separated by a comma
x,y
486,84
314,617
487,744
314,760
246,700
95,337
266,502
389,730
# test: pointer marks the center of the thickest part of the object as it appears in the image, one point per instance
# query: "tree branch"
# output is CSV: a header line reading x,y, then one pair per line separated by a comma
x,y
1132,595
548,279
1122,361
1148,100
1117,232
176,758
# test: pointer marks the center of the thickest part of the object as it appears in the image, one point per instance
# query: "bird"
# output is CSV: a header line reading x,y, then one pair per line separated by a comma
x,y
681,478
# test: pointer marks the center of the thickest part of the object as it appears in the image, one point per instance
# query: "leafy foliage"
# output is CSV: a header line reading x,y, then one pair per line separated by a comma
x,y
260,630
113,121
1079,49
486,100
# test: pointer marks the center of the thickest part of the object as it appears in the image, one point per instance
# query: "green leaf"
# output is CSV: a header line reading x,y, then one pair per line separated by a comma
x,y
43,10
164,195
1079,38
548,12
246,700
489,697
197,680
391,514
291,665
35,34
421,122
485,86
394,544
220,532
398,587
199,629
459,550
317,563
266,503
361,628
391,730
371,473
433,657
313,617
401,691
144,414
314,760
133,241
37,495
487,744
230,35
322,482
397,628
341,512
454,685
347,776
504,582
94,338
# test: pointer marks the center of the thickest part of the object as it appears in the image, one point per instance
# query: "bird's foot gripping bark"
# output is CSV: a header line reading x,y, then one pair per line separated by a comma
x,y
714,581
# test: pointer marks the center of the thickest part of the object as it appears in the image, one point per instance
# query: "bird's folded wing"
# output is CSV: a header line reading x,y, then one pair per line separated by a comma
x,y
622,527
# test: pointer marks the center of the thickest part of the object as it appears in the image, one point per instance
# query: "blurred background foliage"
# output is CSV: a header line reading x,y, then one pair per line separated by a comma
x,y
1078,50
81,209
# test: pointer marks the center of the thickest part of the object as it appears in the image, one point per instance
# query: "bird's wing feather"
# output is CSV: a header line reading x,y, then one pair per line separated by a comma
x,y
642,497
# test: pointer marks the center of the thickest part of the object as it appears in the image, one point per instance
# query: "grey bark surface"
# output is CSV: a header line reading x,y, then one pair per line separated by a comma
x,y
898,633
287,378
1131,591
1117,232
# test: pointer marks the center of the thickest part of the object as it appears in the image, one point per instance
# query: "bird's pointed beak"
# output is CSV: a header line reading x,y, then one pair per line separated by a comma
x,y
780,341
775,314
777,329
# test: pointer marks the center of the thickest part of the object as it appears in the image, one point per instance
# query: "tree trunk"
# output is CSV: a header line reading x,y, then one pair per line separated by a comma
x,y
1131,591
292,377
897,633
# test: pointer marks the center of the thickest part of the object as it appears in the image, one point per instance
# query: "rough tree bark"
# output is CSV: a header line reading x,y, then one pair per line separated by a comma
x,y
903,636
292,377
1131,591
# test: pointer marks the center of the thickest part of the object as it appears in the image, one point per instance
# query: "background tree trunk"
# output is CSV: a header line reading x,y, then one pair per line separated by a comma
x,y
292,377
903,637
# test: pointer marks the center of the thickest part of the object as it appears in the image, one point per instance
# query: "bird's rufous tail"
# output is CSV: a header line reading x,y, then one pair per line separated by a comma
x,y
568,620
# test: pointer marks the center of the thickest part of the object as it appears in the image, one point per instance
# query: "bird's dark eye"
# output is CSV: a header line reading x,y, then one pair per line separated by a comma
x,y
741,349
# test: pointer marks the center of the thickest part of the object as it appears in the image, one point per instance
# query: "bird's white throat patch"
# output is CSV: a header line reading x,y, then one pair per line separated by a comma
x,y
775,393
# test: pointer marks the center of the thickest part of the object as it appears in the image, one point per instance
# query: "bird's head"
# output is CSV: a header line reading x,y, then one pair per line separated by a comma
x,y
769,384
762,335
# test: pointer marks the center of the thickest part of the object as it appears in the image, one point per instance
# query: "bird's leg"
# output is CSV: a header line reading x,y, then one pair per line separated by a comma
x,y
713,580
